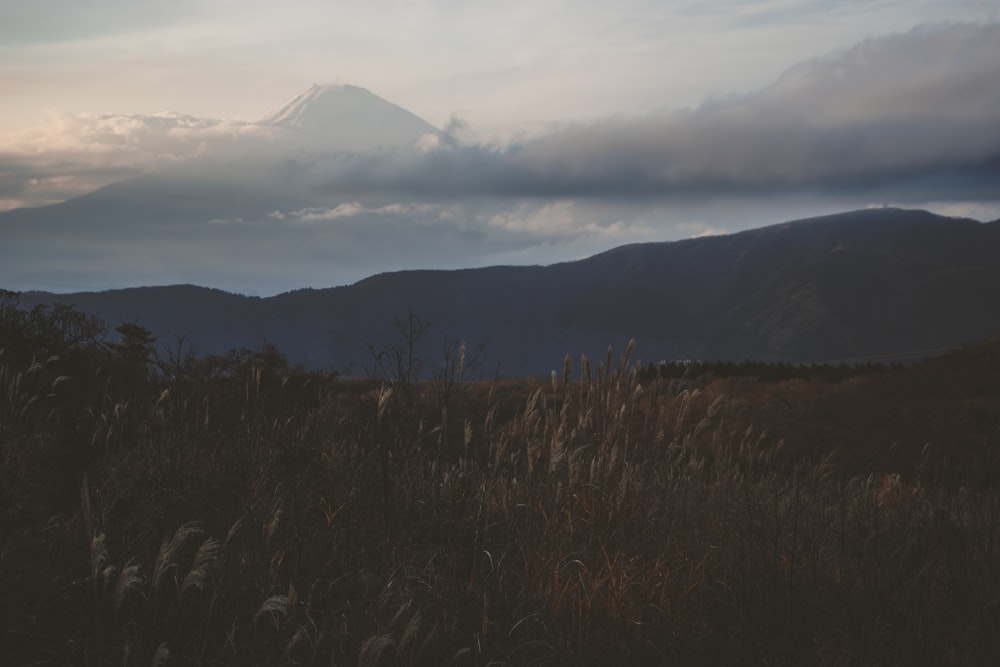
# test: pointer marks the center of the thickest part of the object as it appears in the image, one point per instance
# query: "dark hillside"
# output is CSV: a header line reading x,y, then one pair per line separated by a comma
x,y
866,284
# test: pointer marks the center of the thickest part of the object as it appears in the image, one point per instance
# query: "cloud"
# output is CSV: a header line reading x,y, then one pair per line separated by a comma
x,y
886,112
61,20
72,154
907,117
697,230
896,114
354,209
563,221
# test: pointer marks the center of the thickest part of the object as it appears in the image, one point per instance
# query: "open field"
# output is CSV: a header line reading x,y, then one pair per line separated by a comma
x,y
237,511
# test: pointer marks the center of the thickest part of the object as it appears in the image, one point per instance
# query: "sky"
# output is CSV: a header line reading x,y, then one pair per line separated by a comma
x,y
578,125
503,68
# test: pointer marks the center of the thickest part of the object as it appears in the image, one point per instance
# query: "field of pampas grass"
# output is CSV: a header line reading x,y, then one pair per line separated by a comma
x,y
250,513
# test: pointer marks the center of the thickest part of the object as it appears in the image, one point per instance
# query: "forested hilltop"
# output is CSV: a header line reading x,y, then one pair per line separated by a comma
x,y
160,508
879,284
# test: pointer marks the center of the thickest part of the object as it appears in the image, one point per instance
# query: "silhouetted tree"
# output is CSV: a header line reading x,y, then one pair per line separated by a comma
x,y
135,349
396,363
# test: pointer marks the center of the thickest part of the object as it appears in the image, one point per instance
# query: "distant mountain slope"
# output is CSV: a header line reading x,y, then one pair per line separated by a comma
x,y
857,285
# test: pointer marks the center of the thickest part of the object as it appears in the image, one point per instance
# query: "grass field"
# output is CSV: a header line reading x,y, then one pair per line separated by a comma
x,y
243,512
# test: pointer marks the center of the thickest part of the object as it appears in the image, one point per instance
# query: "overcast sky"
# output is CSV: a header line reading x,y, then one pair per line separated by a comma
x,y
504,68
597,122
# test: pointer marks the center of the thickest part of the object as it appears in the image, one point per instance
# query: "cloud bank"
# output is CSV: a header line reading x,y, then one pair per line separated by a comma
x,y
912,115
909,115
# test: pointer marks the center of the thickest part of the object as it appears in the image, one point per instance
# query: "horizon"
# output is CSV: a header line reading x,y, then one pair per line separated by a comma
x,y
774,224
674,122
855,285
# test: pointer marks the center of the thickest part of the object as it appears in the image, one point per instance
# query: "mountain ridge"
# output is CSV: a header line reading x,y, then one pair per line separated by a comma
x,y
855,285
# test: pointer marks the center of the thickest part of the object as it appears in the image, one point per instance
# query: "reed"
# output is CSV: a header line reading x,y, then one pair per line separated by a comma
x,y
269,516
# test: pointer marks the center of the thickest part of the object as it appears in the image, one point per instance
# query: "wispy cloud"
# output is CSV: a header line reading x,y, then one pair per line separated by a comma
x,y
354,209
71,154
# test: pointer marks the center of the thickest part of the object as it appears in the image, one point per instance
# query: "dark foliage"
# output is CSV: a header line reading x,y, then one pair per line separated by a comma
x,y
238,510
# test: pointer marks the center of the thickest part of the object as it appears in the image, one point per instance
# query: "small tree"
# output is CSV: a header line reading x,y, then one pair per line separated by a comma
x,y
397,363
178,361
136,349
47,331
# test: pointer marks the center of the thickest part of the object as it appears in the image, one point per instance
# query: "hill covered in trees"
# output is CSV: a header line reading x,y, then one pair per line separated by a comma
x,y
877,284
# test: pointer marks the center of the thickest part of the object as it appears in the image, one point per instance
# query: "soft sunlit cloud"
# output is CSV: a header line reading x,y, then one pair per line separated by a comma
x,y
354,209
984,211
68,155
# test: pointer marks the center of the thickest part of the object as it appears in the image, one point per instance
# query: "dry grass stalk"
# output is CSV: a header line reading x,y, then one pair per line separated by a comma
x,y
162,656
375,649
274,606
129,580
170,550
206,559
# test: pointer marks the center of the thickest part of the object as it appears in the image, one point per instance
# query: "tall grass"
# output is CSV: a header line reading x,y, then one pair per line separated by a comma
x,y
272,518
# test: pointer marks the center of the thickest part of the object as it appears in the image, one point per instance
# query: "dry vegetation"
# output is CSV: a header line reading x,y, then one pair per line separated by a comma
x,y
236,511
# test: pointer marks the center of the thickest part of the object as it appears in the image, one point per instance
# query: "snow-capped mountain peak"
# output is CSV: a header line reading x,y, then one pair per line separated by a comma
x,y
350,118
306,104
